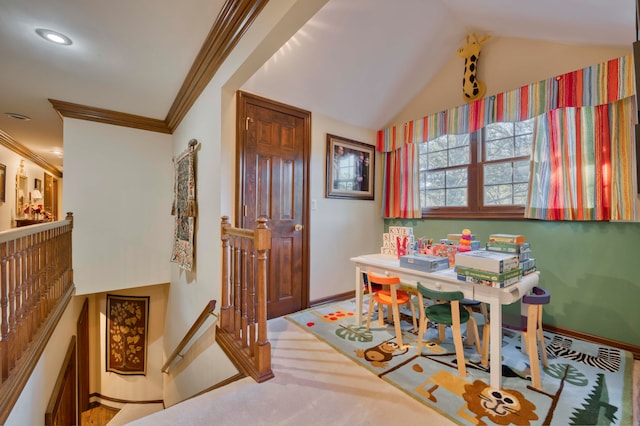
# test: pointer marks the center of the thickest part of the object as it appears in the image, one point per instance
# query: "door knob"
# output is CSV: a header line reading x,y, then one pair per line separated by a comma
x,y
297,227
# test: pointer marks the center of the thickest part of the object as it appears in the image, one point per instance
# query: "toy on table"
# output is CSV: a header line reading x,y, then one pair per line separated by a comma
x,y
465,241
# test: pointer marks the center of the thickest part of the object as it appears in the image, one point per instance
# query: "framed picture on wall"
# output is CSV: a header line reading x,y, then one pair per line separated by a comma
x,y
37,184
3,183
350,169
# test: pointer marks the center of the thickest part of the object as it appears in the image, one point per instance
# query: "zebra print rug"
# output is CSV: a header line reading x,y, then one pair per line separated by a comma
x,y
584,384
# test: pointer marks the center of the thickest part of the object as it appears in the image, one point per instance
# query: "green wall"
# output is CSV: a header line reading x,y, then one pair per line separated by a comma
x,y
591,268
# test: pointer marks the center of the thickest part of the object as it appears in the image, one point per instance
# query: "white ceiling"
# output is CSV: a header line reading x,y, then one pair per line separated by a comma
x,y
359,61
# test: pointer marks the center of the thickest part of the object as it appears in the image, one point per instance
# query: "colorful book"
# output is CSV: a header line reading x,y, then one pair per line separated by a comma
x,y
485,260
485,275
507,247
495,284
507,238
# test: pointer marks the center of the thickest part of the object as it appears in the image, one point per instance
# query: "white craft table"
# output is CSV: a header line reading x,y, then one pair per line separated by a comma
x,y
446,280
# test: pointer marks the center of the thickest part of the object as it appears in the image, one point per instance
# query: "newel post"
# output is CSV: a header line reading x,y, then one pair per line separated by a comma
x,y
262,243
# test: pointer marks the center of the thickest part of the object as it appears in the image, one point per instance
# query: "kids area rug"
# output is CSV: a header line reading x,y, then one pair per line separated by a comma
x,y
584,384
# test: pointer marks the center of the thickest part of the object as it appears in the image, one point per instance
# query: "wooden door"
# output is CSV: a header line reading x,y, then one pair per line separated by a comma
x,y
82,331
272,172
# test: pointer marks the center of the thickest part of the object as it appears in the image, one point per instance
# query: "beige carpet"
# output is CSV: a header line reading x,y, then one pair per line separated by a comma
x,y
313,385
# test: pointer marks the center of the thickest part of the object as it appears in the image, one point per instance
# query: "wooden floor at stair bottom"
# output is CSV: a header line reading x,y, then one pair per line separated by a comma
x,y
98,416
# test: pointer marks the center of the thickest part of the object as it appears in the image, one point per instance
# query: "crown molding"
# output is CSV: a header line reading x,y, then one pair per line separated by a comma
x,y
15,146
100,115
232,22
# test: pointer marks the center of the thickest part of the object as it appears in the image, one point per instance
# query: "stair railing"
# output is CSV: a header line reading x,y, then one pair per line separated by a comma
x,y
36,285
208,310
242,330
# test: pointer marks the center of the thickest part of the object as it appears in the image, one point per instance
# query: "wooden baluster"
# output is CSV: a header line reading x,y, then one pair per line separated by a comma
x,y
225,311
236,287
33,284
252,298
14,278
26,290
6,273
4,310
245,293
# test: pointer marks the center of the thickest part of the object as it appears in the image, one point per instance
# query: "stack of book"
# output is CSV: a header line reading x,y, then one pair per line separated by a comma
x,y
487,267
510,243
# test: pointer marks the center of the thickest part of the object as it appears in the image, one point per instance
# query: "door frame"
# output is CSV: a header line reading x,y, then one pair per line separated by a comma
x,y
242,99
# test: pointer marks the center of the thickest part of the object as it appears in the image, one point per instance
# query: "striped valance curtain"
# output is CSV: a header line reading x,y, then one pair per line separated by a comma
x,y
601,84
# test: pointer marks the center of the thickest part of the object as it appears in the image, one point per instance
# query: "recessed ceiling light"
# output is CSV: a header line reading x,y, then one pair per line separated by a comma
x,y
17,116
54,37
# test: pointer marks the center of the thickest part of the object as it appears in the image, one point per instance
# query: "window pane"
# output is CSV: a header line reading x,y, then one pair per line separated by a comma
x,y
435,198
499,149
437,160
496,195
435,180
498,173
521,171
524,145
459,156
457,197
520,192
437,144
457,178
498,131
456,141
523,127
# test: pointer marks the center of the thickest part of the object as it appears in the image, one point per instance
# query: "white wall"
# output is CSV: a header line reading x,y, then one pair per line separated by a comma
x,y
119,186
32,403
340,228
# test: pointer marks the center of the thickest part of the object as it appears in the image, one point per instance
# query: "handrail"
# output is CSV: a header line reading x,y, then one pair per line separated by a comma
x,y
208,310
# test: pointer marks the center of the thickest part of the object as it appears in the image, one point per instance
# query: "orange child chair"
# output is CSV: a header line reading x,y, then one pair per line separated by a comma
x,y
390,295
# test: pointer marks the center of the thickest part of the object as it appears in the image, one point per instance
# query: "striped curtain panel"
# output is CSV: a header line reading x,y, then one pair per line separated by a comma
x,y
582,164
594,101
400,194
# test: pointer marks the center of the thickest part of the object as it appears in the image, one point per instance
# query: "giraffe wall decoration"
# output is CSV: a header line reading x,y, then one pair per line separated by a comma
x,y
472,88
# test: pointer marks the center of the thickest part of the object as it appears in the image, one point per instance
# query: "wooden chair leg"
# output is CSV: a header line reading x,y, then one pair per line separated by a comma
x,y
472,330
540,334
532,346
441,333
413,315
369,311
486,336
543,347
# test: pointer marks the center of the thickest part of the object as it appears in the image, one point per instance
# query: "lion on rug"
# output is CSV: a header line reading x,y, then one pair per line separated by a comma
x,y
501,406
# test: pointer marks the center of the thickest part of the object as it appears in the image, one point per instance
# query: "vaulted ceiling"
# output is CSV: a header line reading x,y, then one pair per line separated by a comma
x,y
359,61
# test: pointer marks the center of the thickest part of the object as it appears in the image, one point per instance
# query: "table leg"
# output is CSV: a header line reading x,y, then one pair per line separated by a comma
x,y
495,361
359,291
